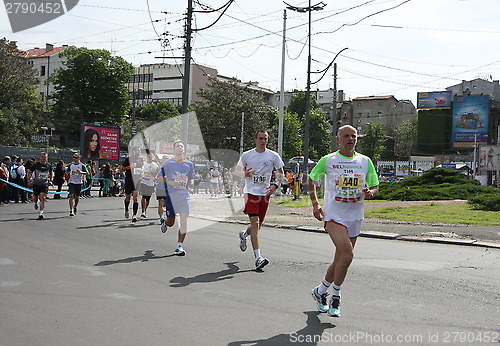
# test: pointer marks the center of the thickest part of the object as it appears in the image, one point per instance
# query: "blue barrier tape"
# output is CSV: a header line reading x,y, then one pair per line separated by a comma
x,y
50,192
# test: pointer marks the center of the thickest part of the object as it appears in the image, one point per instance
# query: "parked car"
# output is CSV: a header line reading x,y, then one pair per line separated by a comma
x,y
300,160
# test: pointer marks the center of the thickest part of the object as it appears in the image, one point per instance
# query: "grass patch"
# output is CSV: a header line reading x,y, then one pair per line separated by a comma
x,y
442,213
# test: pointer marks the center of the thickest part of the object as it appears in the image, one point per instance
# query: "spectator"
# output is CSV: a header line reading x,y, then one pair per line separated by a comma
x,y
59,178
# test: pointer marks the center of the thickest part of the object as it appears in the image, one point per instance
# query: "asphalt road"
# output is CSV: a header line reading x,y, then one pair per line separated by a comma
x,y
98,279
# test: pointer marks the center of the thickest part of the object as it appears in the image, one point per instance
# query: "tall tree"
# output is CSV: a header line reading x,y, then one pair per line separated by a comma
x,y
90,88
220,115
20,106
320,133
405,135
372,143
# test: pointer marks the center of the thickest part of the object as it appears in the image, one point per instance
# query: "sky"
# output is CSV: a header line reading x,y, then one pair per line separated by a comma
x,y
394,47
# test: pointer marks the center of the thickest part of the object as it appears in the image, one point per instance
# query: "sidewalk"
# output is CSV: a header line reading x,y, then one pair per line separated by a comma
x,y
302,219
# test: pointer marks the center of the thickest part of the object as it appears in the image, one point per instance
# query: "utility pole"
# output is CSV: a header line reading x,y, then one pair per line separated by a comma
x,y
335,123
186,81
282,91
319,6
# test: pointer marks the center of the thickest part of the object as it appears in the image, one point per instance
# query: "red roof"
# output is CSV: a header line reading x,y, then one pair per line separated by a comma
x,y
42,52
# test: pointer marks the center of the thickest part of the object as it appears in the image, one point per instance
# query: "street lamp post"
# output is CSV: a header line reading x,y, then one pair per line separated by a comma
x,y
319,6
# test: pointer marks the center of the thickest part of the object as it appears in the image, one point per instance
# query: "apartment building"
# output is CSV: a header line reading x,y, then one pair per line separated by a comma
x,y
45,61
384,110
154,82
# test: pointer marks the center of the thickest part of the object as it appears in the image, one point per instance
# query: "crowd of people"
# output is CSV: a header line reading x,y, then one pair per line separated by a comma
x,y
349,179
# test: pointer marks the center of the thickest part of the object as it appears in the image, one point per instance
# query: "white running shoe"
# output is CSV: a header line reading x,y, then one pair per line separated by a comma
x,y
261,262
243,241
180,251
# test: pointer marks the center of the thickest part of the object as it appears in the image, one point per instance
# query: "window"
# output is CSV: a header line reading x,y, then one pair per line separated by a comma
x,y
42,71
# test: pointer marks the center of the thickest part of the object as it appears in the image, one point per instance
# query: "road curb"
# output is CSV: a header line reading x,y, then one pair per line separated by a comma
x,y
375,235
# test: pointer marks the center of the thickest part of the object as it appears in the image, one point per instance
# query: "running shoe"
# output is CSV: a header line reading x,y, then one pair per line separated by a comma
x,y
180,251
71,213
334,306
321,302
134,219
143,215
74,210
127,215
243,241
40,217
163,226
35,205
162,220
261,262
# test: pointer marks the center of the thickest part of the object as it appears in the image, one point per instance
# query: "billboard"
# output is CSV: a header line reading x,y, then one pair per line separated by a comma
x,y
489,157
470,120
434,99
98,142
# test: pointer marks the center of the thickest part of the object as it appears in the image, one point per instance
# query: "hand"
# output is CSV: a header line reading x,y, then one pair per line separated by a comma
x,y
271,189
249,172
368,193
318,213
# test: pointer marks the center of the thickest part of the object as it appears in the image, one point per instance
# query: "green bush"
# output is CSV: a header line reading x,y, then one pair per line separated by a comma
x,y
489,202
435,184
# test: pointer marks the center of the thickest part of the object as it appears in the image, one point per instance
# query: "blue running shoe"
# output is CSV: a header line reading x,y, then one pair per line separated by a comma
x,y
334,306
321,302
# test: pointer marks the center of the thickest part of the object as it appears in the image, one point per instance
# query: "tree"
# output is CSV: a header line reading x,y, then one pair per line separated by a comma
x,y
405,135
372,143
20,106
319,133
90,88
219,115
157,111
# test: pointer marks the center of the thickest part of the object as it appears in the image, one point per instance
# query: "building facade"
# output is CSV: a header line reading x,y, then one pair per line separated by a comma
x,y
155,82
45,61
384,110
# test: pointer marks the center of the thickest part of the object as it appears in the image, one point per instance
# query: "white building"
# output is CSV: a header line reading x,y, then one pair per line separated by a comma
x,y
45,61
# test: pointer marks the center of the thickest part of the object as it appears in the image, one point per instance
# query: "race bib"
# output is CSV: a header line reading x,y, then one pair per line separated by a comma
x,y
180,182
137,171
349,188
259,179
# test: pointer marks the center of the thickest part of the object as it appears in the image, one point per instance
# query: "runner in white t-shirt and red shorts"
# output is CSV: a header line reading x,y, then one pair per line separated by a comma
x,y
350,178
257,166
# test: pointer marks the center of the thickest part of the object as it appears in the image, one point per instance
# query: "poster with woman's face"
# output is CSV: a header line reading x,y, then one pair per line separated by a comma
x,y
100,143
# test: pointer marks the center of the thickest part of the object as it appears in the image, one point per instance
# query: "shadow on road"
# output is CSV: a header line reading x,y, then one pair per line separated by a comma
x,y
311,334
148,255
224,274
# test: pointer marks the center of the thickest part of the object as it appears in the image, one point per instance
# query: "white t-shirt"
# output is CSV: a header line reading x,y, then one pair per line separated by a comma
x,y
74,176
263,165
149,171
214,176
345,179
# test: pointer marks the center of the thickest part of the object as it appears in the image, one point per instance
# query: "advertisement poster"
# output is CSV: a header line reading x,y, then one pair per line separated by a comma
x,y
489,157
167,148
99,142
470,120
434,99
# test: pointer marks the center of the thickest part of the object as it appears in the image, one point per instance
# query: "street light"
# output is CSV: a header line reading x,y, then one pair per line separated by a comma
x,y
319,6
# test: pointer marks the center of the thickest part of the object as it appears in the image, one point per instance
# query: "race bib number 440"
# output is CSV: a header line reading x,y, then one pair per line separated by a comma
x,y
349,188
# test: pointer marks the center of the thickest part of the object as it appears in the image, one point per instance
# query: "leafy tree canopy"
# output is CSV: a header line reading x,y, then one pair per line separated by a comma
x,y
20,106
405,135
298,105
220,115
157,111
372,143
90,88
